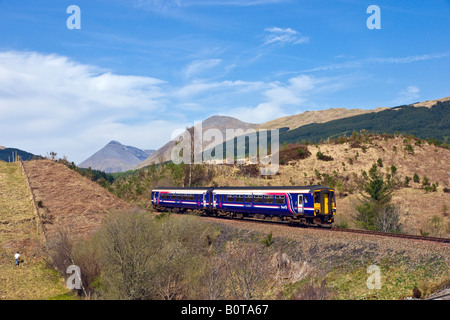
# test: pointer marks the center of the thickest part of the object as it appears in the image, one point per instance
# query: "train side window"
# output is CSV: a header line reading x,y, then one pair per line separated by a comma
x,y
184,197
279,199
190,197
248,198
268,199
163,196
230,198
258,199
239,198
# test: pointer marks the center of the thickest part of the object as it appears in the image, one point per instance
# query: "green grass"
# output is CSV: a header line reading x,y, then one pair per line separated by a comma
x,y
397,281
19,232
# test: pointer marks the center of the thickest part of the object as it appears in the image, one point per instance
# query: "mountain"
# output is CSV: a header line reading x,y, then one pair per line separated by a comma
x,y
8,154
215,122
116,157
321,116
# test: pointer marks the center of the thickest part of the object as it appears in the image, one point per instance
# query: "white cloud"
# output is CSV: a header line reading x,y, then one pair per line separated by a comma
x,y
198,67
51,103
48,102
406,96
279,96
277,35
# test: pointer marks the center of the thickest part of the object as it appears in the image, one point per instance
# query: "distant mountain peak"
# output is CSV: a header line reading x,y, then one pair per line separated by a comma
x,y
116,157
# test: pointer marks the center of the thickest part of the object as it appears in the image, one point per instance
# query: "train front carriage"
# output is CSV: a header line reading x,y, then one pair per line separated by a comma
x,y
305,205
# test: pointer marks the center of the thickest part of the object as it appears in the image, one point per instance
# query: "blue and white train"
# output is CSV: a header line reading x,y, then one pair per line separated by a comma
x,y
306,205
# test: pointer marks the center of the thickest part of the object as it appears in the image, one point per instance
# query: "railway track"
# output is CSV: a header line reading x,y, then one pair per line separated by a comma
x,y
393,235
345,230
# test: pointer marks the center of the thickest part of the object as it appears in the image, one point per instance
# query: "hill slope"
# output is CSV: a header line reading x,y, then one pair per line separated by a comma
x,y
116,157
308,117
19,232
345,173
431,122
68,200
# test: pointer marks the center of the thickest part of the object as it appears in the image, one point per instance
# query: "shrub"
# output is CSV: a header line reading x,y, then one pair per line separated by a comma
x,y
380,162
268,240
323,157
409,148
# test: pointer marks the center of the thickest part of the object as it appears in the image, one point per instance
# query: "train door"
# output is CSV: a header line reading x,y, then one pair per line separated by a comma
x,y
204,200
326,203
300,204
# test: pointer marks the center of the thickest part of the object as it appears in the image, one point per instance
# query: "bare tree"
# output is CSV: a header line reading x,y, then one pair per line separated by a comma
x,y
387,219
248,269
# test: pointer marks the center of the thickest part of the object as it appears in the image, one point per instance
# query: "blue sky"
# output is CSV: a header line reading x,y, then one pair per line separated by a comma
x,y
139,69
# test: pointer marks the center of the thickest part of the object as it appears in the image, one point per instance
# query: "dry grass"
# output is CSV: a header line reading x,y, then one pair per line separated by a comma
x,y
68,200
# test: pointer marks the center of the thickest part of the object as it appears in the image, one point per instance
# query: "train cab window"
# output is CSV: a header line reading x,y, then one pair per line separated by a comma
x,y
268,199
248,198
239,198
258,199
184,197
279,199
317,197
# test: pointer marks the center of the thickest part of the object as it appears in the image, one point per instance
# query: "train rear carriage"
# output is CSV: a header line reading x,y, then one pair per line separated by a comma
x,y
302,204
181,198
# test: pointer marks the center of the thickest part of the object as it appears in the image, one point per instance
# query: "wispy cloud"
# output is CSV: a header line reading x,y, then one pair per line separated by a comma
x,y
188,3
278,98
393,60
406,96
200,66
277,35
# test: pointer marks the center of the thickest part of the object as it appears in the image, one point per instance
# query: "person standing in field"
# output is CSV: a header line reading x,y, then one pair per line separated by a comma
x,y
17,257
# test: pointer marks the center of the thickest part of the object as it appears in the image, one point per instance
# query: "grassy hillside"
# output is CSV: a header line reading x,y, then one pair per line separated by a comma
x,y
422,122
19,232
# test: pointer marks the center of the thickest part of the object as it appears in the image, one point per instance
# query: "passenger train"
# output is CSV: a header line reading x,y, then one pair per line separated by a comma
x,y
304,205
